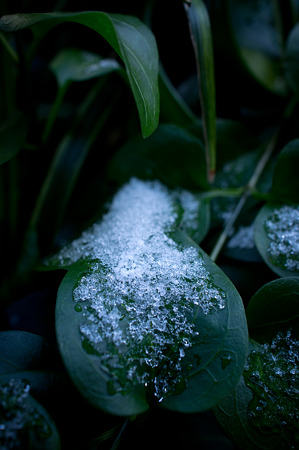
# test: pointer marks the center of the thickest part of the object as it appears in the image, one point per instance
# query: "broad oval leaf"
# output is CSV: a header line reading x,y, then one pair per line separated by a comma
x,y
262,413
277,238
12,136
24,422
274,306
146,317
72,64
129,37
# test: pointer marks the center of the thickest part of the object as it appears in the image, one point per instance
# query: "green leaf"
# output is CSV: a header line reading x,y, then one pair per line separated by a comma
x,y
173,108
201,35
258,43
25,422
285,183
262,413
273,307
143,315
31,357
276,238
291,59
196,215
131,39
171,154
72,64
218,354
12,136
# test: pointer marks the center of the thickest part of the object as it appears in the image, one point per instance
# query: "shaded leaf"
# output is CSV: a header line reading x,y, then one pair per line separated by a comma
x,y
24,422
131,39
196,215
258,43
273,307
12,136
171,155
28,356
200,30
262,412
72,64
285,183
291,59
276,238
173,108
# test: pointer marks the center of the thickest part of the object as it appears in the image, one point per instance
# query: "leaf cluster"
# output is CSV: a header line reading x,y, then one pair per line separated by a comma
x,y
203,98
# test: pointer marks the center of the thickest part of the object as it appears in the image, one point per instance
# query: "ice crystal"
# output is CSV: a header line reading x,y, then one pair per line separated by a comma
x,y
142,292
272,375
282,228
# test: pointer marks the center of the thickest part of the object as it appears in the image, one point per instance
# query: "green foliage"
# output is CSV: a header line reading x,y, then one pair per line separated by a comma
x,y
130,39
192,329
12,136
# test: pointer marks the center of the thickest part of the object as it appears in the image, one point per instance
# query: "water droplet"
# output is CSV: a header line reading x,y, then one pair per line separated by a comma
x,y
78,308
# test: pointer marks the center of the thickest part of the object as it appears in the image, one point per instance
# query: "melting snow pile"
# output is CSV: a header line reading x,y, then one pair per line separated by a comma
x,y
142,292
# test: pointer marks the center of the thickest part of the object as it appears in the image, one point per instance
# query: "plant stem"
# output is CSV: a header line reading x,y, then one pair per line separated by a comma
x,y
247,193
249,190
118,437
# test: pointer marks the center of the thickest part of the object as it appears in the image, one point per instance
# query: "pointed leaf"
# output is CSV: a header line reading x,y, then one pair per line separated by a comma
x,y
131,39
201,35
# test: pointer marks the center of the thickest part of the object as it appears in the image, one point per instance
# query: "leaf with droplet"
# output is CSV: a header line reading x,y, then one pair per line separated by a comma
x,y
277,238
262,413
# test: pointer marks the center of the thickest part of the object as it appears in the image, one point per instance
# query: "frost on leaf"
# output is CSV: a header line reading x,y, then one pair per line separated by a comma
x,y
18,417
272,375
142,291
282,228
